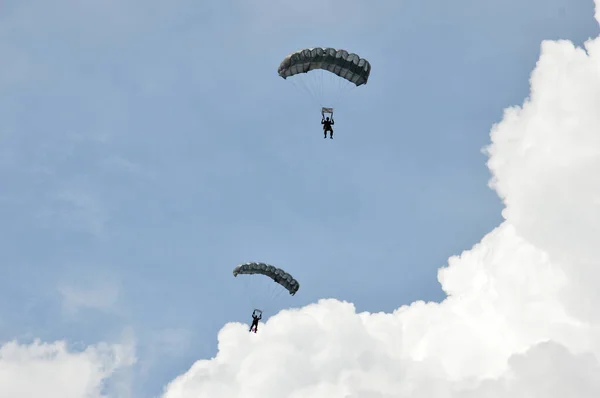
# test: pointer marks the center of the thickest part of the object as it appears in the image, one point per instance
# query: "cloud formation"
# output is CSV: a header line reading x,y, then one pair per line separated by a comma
x,y
521,315
54,371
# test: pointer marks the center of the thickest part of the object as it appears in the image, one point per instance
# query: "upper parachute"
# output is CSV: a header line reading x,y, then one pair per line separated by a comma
x,y
346,65
277,274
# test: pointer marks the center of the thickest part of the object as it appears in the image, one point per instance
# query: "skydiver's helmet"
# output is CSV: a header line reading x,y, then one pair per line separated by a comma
x,y
327,118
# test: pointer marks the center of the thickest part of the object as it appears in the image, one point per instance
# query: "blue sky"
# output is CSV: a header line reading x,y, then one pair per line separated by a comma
x,y
148,147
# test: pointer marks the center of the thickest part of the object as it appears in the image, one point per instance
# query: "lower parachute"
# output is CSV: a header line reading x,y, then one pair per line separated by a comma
x,y
276,274
265,284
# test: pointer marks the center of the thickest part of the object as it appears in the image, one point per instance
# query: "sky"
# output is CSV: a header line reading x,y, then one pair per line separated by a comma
x,y
444,241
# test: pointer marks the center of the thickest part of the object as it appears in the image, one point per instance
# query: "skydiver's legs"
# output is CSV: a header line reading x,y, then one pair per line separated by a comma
x,y
331,133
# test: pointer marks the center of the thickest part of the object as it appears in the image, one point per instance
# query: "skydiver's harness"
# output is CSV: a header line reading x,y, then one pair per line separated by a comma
x,y
327,127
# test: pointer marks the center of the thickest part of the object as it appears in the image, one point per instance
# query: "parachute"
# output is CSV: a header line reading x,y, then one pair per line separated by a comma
x,y
264,284
346,65
277,274
325,73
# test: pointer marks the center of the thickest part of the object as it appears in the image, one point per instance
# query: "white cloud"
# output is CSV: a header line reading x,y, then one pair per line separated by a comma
x,y
521,319
53,371
546,160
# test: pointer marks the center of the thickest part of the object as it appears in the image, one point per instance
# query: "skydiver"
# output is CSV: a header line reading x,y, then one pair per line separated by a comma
x,y
255,320
327,126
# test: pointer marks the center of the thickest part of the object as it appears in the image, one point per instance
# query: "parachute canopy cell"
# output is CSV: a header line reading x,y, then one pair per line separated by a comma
x,y
340,62
277,274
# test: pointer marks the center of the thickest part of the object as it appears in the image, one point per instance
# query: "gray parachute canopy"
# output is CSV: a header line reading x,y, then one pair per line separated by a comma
x,y
277,274
346,65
